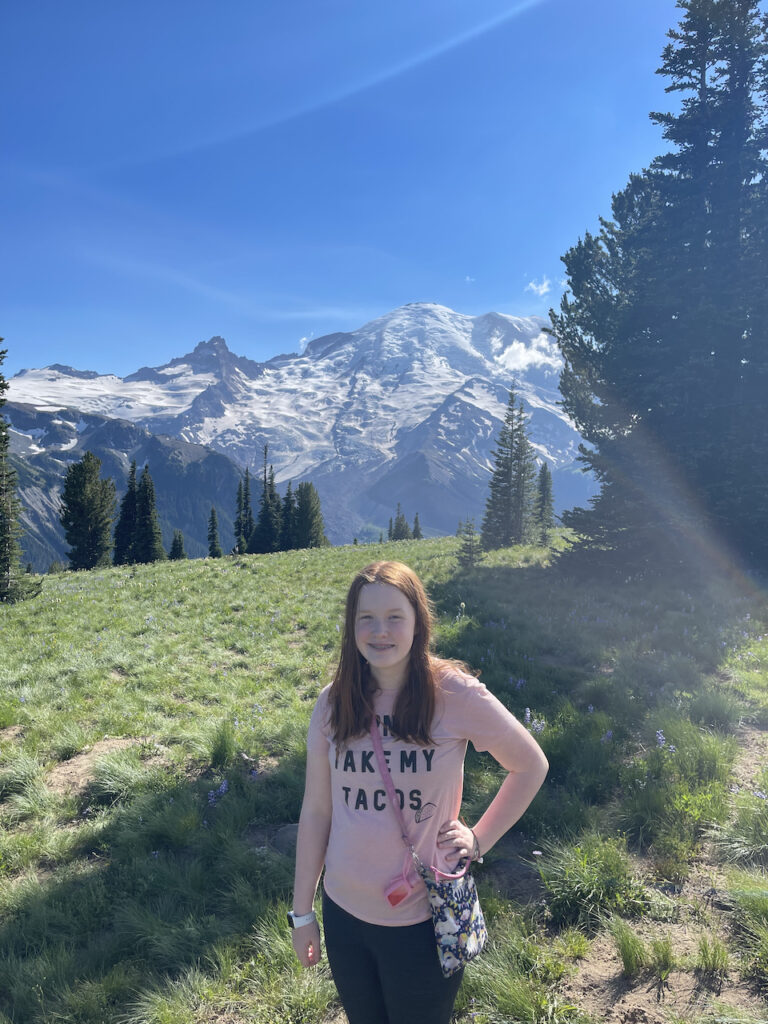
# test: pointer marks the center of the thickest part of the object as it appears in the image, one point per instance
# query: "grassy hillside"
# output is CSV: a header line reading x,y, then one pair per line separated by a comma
x,y
152,728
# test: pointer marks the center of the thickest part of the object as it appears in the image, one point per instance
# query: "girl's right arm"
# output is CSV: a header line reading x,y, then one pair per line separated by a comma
x,y
311,844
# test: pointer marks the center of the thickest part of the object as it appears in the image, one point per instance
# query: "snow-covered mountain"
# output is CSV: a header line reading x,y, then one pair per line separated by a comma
x,y
405,409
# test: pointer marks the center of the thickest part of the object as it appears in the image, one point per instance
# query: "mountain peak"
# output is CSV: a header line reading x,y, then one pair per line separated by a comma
x,y
215,344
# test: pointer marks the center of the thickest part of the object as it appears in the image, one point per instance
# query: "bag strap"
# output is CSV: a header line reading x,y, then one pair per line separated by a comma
x,y
389,785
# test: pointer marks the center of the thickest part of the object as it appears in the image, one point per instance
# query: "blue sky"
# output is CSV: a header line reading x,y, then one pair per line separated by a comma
x,y
271,172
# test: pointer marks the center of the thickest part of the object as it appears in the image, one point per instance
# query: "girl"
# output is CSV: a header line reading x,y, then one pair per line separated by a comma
x,y
376,917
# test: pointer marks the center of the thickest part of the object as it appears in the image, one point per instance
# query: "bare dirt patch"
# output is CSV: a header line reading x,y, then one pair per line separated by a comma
x,y
753,756
71,777
10,733
600,989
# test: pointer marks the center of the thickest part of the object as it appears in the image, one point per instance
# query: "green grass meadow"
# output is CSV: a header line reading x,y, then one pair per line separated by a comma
x,y
152,744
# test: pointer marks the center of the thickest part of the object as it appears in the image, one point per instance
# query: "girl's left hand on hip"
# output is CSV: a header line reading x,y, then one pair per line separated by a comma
x,y
453,834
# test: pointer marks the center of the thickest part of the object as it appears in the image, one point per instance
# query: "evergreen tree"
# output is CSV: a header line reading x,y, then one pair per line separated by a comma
x,y
469,551
508,508
241,543
249,520
663,331
288,521
87,511
14,584
401,529
523,481
310,529
266,533
125,530
148,542
214,546
544,507
417,534
177,551
390,529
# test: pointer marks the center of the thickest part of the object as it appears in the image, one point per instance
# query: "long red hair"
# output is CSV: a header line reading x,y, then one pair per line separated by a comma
x,y
351,694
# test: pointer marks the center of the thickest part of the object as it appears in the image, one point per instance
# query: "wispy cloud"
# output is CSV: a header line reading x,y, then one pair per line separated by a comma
x,y
470,280
331,98
540,288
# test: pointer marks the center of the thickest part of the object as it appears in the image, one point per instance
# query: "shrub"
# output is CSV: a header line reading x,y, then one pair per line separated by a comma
x,y
662,958
223,746
121,775
18,772
718,709
581,753
744,840
629,946
712,959
590,879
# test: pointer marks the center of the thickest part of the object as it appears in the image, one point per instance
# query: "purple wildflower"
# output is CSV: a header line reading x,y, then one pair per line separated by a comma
x,y
660,740
590,708
761,795
527,716
607,736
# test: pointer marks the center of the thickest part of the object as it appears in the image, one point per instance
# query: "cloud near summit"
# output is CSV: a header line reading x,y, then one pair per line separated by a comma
x,y
541,352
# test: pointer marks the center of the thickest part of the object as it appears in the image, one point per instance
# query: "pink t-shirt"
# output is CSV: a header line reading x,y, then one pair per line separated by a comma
x,y
365,852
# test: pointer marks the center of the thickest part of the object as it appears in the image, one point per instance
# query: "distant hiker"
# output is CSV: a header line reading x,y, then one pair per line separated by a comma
x,y
379,932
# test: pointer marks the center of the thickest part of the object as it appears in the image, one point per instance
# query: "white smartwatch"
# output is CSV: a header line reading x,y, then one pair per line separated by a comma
x,y
299,920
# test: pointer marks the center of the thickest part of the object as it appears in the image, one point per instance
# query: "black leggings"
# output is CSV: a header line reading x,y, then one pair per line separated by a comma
x,y
387,975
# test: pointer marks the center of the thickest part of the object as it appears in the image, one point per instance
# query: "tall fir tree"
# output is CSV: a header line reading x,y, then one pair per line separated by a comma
x,y
507,518
390,529
416,533
87,511
401,530
177,552
148,543
288,520
214,545
310,528
249,520
265,537
664,325
544,507
241,544
125,530
523,481
15,584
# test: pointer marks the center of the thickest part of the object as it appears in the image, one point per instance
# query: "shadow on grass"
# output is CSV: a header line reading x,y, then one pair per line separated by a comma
x,y
597,670
170,875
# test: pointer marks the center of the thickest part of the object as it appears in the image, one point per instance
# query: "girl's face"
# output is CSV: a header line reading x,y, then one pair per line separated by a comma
x,y
385,622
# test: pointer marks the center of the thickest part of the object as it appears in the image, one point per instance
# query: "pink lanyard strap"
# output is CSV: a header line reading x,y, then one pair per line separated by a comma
x,y
386,777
